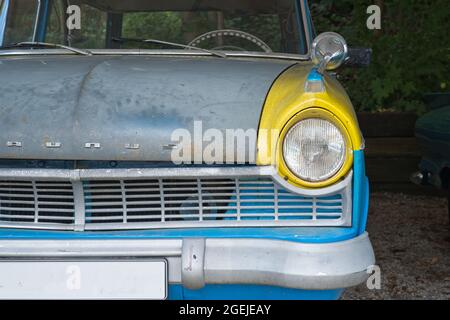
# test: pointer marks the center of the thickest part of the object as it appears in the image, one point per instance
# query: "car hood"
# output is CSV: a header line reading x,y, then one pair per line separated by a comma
x,y
124,107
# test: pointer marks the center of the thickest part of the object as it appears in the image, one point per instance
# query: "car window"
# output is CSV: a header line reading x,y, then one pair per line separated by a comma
x,y
245,25
21,21
184,27
92,31
56,27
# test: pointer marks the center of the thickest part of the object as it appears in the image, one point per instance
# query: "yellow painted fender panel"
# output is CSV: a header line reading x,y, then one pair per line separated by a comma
x,y
287,102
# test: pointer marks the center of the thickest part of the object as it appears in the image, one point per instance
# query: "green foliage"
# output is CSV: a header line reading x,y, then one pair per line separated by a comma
x,y
411,52
166,25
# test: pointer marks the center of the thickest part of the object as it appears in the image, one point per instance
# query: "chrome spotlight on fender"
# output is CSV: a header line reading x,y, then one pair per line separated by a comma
x,y
329,51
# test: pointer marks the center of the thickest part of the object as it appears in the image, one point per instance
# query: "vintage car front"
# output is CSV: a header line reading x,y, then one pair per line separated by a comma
x,y
211,170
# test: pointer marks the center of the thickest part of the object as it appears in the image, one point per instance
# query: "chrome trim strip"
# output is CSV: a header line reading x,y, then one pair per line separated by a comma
x,y
149,52
314,192
90,248
40,226
36,202
177,225
3,15
78,199
177,172
223,261
212,224
36,22
306,26
161,196
43,174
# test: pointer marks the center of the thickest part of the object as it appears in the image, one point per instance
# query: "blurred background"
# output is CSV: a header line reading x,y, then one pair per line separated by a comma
x,y
411,52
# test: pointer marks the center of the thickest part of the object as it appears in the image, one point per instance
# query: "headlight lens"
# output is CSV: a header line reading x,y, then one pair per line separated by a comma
x,y
314,150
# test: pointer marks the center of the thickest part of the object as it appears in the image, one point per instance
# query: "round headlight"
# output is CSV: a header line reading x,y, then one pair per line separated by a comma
x,y
314,150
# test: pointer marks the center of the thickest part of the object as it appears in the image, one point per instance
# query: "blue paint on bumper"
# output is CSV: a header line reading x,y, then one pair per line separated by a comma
x,y
249,292
303,234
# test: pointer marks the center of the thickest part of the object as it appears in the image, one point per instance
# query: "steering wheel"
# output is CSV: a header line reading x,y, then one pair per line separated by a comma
x,y
230,33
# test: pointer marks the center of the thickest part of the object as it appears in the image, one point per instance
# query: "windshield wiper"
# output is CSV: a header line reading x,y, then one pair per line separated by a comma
x,y
48,45
173,44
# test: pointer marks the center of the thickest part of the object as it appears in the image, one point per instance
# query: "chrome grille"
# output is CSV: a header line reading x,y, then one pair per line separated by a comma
x,y
37,202
166,202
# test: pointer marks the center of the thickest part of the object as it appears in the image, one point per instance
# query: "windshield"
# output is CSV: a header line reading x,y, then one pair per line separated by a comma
x,y
232,25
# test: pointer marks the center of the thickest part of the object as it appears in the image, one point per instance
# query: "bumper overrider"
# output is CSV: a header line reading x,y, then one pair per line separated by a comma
x,y
196,262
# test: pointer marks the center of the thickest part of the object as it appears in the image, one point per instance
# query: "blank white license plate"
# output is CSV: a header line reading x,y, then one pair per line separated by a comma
x,y
112,279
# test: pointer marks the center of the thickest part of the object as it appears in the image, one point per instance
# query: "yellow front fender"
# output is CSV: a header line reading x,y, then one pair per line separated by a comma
x,y
287,102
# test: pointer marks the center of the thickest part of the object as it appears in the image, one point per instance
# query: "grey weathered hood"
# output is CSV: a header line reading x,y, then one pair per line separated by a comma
x,y
124,100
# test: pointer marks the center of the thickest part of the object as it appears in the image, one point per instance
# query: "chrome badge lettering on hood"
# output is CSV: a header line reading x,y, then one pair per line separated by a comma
x,y
124,107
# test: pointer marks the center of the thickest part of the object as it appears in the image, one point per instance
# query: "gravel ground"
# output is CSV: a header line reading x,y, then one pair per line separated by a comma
x,y
411,238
